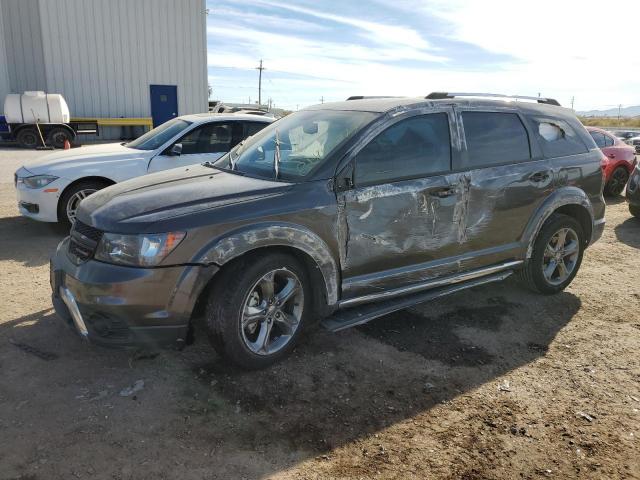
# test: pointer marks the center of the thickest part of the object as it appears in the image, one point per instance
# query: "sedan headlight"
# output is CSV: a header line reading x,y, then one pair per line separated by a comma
x,y
137,250
37,181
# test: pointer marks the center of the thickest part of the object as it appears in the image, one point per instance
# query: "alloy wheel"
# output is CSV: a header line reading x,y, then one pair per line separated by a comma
x,y
74,201
272,312
560,256
618,181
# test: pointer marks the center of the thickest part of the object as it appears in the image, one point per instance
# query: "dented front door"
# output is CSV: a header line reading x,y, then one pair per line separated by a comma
x,y
400,232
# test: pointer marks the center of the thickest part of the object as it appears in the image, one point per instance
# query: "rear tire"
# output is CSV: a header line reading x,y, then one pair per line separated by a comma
x,y
539,273
635,211
28,138
234,314
72,196
57,137
617,182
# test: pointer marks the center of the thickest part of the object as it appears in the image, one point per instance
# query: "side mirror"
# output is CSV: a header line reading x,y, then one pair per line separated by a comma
x,y
176,149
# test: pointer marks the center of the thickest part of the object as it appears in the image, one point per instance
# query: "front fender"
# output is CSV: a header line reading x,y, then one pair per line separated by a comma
x,y
243,240
563,196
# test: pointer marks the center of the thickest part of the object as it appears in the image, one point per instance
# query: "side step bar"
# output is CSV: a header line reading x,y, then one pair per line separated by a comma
x,y
351,317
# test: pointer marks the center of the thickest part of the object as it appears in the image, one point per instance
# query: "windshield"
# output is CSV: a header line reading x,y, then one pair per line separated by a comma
x,y
294,146
160,135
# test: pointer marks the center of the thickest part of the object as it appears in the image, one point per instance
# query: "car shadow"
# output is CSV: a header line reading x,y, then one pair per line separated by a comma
x,y
27,241
333,390
614,200
628,232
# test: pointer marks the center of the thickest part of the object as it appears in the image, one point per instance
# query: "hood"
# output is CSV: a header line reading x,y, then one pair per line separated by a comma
x,y
83,156
142,204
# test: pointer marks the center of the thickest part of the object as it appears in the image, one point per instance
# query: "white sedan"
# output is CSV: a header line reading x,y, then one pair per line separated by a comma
x,y
50,189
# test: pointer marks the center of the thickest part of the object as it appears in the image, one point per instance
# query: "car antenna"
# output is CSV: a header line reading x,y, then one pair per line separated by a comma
x,y
276,156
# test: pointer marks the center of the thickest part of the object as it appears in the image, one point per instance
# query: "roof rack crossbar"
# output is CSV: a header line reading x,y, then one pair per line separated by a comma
x,y
443,95
363,97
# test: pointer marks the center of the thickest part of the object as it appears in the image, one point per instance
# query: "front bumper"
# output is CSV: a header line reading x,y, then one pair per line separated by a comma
x,y
40,205
125,306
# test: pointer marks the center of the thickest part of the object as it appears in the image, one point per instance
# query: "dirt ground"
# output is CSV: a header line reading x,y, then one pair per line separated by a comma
x,y
494,382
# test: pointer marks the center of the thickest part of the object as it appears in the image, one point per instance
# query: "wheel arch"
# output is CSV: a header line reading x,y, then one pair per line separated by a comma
x,y
95,178
570,201
299,241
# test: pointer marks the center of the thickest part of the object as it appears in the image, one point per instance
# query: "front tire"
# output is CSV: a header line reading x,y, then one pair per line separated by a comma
x,y
557,255
258,309
71,198
617,182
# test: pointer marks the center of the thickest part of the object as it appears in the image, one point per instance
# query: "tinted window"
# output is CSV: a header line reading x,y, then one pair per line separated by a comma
x,y
414,147
608,141
159,135
494,138
598,138
208,138
557,138
253,128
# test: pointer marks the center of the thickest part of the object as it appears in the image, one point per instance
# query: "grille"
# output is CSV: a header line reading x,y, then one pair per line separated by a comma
x,y
84,241
79,251
88,231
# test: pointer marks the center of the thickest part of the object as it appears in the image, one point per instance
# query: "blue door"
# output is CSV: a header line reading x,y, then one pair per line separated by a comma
x,y
164,103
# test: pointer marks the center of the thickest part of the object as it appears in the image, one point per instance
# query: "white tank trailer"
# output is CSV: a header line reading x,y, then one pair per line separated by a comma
x,y
32,118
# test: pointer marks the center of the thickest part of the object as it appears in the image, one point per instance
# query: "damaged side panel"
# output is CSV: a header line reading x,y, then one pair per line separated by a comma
x,y
407,232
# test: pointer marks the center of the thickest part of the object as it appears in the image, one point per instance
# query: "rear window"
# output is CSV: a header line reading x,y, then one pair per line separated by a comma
x,y
494,138
557,138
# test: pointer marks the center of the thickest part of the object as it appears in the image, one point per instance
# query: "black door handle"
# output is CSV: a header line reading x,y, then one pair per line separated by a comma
x,y
539,176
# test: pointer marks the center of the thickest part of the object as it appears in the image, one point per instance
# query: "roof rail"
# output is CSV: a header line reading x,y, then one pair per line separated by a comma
x,y
363,97
443,95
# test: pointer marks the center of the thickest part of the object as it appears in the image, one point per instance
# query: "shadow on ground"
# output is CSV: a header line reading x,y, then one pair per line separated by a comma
x,y
334,389
27,241
628,232
614,200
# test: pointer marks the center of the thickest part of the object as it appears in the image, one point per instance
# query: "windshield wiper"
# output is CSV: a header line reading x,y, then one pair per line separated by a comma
x,y
276,156
208,164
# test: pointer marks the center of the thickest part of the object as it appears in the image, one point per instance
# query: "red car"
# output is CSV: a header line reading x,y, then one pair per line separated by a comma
x,y
620,160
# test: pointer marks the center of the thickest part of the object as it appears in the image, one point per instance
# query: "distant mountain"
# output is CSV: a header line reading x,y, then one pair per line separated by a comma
x,y
613,112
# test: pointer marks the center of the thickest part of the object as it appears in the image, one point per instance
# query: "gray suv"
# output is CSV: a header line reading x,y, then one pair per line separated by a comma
x,y
342,212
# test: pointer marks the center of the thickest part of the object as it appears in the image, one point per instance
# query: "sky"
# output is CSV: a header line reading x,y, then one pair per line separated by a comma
x,y
331,49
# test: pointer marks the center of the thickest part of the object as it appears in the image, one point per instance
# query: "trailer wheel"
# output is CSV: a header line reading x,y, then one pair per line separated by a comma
x,y
57,136
28,138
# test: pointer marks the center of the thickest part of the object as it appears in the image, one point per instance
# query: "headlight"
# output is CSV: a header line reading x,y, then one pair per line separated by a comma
x,y
37,181
138,250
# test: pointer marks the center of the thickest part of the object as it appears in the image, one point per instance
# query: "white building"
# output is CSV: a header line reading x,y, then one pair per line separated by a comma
x,y
115,58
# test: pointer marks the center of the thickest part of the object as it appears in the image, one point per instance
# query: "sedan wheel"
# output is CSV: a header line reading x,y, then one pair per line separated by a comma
x,y
618,181
74,201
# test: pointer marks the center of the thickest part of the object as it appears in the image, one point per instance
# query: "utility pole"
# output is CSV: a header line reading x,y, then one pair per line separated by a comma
x,y
260,68
572,100
619,111
322,99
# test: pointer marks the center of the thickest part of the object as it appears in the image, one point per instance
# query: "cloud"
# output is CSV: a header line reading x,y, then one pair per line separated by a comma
x,y
556,48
